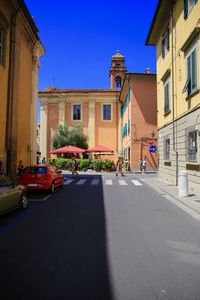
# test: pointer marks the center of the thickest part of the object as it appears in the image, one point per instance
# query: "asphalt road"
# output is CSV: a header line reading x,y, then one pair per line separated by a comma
x,y
100,238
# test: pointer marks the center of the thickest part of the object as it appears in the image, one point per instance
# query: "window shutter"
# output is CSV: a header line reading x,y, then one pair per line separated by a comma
x,y
185,8
163,48
194,70
167,39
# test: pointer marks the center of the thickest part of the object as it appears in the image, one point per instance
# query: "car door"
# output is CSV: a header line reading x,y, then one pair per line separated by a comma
x,y
9,195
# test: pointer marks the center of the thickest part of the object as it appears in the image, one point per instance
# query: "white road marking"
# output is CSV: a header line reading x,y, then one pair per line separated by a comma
x,y
136,182
122,182
142,179
108,182
81,181
68,181
95,182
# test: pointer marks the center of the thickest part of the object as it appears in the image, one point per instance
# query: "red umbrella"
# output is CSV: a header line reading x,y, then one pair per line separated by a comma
x,y
99,148
68,149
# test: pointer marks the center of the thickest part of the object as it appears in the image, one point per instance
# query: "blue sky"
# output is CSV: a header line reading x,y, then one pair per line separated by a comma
x,y
80,38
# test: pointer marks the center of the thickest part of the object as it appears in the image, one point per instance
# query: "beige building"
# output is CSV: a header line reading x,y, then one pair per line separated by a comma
x,y
97,110
20,50
175,30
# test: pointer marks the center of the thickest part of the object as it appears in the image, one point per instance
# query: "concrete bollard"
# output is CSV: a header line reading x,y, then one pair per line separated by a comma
x,y
183,184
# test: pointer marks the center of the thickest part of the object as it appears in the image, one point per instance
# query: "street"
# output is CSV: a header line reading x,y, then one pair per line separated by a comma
x,y
100,237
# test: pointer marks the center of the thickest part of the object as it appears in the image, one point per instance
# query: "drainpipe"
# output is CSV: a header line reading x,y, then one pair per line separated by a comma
x,y
10,93
173,91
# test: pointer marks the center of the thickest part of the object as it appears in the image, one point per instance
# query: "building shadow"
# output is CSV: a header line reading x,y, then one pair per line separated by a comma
x,y
59,250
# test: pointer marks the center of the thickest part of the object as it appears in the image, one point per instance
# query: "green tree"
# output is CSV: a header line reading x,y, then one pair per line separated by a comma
x,y
65,136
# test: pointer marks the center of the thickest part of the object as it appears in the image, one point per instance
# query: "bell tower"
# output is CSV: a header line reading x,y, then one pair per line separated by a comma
x,y
117,71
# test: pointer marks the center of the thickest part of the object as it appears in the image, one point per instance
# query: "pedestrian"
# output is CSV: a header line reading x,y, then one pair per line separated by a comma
x,y
144,164
119,166
74,167
44,161
140,164
20,167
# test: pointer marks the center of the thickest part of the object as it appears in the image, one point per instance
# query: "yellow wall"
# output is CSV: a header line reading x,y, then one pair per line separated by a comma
x,y
24,103
4,95
181,32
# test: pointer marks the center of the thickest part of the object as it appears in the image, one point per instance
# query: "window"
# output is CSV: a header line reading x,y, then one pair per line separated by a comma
x,y
76,112
166,95
188,5
192,145
2,45
106,112
118,82
167,149
165,43
191,71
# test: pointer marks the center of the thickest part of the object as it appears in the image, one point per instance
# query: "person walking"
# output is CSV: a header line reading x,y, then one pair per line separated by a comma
x,y
119,166
74,167
144,165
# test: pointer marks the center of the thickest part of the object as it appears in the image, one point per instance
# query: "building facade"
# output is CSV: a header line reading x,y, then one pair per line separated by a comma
x,y
138,119
20,50
175,30
105,114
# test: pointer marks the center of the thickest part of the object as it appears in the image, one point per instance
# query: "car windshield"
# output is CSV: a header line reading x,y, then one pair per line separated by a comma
x,y
4,181
35,170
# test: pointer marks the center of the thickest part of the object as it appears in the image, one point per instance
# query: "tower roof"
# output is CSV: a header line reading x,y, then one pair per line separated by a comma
x,y
118,55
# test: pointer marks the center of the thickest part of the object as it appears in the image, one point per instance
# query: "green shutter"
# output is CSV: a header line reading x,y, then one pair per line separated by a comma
x,y
185,8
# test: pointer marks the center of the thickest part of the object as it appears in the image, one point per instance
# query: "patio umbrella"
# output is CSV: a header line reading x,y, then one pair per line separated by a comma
x,y
68,149
99,149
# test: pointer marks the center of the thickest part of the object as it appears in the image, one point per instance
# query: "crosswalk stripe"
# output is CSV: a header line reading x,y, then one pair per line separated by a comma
x,y
68,181
123,182
95,182
108,182
142,179
81,181
136,182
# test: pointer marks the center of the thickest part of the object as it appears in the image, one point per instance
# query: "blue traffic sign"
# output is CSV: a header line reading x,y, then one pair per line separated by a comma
x,y
152,149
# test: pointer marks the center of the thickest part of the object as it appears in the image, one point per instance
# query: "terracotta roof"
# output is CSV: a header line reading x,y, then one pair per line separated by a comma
x,y
53,89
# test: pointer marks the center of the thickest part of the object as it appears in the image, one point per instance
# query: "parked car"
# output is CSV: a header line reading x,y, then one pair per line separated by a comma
x,y
41,177
11,196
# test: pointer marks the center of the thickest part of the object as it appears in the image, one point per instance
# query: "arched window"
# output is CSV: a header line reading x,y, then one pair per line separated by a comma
x,y
118,82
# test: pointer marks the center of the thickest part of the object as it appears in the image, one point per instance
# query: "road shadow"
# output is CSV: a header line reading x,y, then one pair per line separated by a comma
x,y
59,250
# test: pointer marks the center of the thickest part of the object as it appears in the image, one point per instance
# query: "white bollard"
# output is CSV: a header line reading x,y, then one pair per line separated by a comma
x,y
183,184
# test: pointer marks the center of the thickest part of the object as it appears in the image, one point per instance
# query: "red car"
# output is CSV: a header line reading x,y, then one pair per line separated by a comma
x,y
41,177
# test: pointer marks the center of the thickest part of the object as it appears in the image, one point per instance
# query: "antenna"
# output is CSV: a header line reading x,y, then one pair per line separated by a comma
x,y
53,81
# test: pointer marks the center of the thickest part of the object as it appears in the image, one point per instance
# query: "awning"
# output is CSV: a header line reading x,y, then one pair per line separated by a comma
x,y
68,149
99,149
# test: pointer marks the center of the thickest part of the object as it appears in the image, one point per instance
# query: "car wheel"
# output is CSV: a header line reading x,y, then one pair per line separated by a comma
x,y
53,188
23,201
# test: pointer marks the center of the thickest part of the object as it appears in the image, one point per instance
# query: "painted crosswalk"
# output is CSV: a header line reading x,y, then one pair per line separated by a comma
x,y
136,182
107,182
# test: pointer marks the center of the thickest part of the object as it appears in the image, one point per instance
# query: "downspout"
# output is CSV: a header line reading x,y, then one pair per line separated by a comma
x,y
173,91
10,92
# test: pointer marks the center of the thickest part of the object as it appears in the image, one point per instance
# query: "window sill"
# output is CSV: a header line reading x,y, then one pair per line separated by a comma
x,y
167,113
193,166
192,94
167,163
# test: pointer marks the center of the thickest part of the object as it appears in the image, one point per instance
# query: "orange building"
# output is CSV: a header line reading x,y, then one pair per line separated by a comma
x,y
138,120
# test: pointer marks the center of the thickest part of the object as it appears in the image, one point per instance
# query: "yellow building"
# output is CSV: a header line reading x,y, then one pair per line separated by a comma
x,y
20,49
175,30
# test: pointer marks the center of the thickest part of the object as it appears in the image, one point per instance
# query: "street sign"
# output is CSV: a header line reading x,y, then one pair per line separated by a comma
x,y
151,141
152,149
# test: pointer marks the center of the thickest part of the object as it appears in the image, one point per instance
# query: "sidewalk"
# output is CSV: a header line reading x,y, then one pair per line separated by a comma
x,y
167,190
